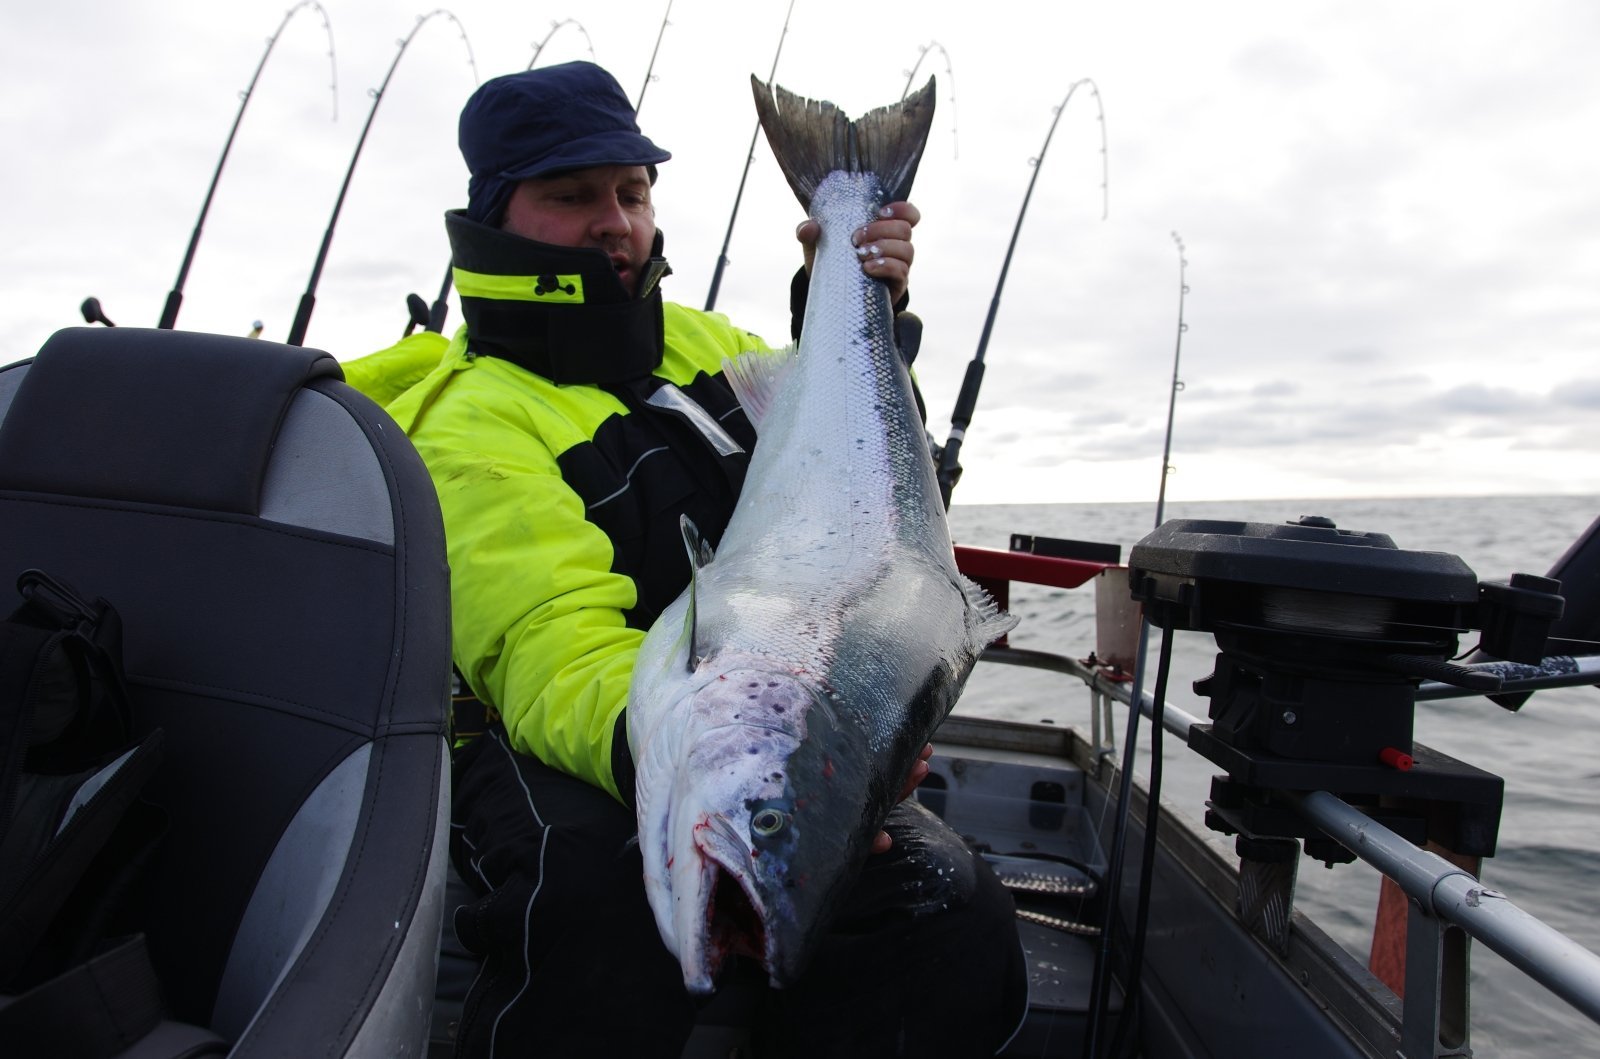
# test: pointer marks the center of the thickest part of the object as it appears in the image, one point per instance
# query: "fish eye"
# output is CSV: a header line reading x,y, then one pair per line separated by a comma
x,y
768,822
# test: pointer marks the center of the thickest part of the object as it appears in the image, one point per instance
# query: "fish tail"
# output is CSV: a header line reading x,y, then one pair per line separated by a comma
x,y
812,138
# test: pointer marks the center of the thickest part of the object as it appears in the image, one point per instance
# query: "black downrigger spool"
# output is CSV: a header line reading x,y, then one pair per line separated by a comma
x,y
1323,637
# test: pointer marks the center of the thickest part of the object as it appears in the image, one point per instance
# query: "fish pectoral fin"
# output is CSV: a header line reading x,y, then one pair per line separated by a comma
x,y
989,622
700,555
756,378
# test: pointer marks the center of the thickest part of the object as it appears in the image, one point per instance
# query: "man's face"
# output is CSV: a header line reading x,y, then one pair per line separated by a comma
x,y
607,207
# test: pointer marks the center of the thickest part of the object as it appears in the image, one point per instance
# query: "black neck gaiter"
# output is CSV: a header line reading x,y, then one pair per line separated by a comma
x,y
560,312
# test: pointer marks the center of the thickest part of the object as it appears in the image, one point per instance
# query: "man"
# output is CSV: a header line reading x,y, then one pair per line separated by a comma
x,y
575,417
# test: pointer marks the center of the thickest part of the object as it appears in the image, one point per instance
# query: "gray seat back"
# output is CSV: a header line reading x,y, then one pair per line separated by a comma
x,y
274,546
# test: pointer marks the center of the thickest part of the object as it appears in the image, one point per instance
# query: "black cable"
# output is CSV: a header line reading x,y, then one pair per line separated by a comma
x,y
1152,815
1100,991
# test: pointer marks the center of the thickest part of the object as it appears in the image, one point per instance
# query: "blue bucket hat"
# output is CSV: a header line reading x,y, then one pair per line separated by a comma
x,y
542,122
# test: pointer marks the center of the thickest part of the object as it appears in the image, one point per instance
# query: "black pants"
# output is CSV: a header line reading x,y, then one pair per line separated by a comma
x,y
922,960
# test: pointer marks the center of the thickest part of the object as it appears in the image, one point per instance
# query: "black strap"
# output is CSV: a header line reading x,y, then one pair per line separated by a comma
x,y
61,688
71,848
73,881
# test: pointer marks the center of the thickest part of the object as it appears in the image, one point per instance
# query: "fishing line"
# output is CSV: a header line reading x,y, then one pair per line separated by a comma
x,y
308,300
949,457
950,80
1100,994
169,311
750,156
1304,610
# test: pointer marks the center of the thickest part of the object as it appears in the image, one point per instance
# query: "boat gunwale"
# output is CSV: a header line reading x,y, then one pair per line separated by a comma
x,y
1361,1006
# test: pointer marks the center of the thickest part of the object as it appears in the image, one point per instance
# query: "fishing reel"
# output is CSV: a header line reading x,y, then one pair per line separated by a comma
x,y
1324,636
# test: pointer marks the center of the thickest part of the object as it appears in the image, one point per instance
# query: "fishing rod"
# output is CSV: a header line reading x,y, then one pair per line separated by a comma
x,y
169,312
435,316
648,70
950,79
308,300
949,470
91,310
554,26
750,156
1100,983
1177,383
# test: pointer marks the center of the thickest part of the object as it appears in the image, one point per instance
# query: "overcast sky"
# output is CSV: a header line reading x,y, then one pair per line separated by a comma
x,y
1391,210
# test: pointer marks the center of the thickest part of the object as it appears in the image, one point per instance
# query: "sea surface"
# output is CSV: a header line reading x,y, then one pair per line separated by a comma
x,y
1548,859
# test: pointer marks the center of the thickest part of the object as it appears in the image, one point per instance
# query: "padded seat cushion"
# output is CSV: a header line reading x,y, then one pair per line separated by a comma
x,y
203,412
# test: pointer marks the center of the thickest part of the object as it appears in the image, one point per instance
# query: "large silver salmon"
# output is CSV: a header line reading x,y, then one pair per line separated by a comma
x,y
778,705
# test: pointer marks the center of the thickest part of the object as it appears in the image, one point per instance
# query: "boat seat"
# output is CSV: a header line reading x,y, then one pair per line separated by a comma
x,y
274,548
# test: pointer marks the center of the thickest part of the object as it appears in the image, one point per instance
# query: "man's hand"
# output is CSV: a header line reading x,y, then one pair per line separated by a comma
x,y
884,246
919,772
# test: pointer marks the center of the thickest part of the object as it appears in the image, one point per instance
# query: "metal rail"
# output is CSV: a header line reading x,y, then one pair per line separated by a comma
x,y
1445,900
1174,719
1445,892
1441,889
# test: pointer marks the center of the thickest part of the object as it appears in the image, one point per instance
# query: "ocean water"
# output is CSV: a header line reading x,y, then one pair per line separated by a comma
x,y
1548,753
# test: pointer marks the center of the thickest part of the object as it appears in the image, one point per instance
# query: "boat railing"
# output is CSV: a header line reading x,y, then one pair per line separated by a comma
x,y
1103,689
1442,896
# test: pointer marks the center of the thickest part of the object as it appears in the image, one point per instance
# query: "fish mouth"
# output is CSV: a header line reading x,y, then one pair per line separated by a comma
x,y
734,923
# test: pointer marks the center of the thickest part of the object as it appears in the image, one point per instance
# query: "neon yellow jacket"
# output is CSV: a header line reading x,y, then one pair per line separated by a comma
x,y
545,612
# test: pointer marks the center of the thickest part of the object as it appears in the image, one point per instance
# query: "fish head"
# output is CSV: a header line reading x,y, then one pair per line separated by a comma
x,y
765,825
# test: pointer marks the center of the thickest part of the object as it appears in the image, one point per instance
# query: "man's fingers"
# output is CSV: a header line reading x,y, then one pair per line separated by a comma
x,y
902,211
919,772
808,232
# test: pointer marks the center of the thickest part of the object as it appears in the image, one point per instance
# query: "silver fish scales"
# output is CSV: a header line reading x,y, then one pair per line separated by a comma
x,y
779,704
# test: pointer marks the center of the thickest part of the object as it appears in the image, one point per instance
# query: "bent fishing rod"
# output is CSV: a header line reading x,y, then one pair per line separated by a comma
x,y
91,310
1100,982
308,300
433,317
950,79
750,156
649,71
1177,383
169,312
949,469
